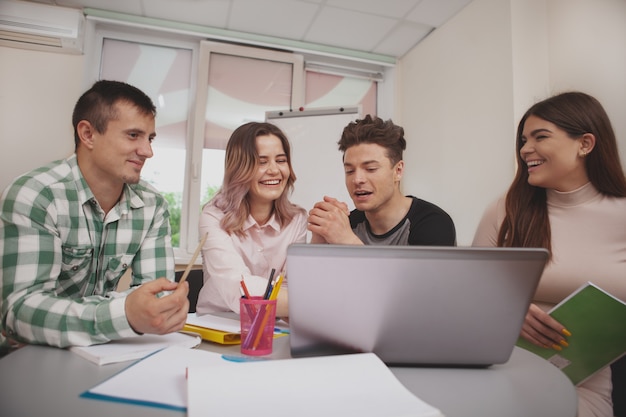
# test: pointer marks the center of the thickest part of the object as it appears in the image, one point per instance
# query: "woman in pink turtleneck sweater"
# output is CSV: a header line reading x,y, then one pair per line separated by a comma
x,y
569,196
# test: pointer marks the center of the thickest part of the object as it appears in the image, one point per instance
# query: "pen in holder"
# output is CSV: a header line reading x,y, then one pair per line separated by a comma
x,y
257,325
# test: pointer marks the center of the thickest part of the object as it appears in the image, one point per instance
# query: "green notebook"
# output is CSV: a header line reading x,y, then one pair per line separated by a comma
x,y
597,321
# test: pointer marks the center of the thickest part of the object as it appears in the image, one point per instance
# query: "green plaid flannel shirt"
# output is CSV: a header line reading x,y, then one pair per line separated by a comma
x,y
61,257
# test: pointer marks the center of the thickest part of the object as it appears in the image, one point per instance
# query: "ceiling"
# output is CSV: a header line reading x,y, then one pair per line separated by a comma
x,y
383,27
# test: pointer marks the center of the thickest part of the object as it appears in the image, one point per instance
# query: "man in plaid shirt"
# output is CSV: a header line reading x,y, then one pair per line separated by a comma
x,y
69,231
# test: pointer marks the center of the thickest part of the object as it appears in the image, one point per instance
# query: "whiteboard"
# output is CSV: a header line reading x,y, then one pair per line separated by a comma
x,y
316,160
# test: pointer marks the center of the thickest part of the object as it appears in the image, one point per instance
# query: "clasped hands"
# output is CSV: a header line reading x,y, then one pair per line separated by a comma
x,y
329,223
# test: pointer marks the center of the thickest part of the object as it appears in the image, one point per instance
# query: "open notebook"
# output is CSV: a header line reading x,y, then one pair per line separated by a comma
x,y
410,305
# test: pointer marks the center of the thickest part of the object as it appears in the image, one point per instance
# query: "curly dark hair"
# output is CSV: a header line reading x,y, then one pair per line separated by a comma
x,y
375,130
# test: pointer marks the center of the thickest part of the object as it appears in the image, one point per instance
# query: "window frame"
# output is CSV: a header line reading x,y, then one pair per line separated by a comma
x,y
193,195
183,253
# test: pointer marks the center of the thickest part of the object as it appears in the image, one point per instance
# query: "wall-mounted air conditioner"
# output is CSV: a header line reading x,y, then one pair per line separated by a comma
x,y
40,26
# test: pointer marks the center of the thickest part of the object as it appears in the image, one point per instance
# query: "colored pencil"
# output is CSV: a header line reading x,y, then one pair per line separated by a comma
x,y
193,258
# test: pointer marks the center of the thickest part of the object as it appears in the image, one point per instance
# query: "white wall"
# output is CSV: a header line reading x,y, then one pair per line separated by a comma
x,y
530,55
38,91
463,90
588,52
456,107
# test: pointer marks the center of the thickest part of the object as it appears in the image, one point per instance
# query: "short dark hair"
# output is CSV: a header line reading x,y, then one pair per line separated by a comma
x,y
375,130
97,105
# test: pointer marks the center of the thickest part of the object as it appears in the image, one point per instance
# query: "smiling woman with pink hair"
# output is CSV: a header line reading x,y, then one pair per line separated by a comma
x,y
568,196
250,221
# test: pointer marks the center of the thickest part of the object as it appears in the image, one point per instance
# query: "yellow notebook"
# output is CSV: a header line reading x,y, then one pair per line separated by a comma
x,y
222,330
212,335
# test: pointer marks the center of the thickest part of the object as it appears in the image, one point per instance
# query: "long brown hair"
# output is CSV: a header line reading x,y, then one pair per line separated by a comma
x,y
526,222
241,162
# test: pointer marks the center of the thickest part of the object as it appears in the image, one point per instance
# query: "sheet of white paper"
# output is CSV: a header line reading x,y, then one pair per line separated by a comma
x,y
134,347
214,322
158,380
347,385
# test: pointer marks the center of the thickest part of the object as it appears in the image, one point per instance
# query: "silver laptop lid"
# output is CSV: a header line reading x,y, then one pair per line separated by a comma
x,y
410,305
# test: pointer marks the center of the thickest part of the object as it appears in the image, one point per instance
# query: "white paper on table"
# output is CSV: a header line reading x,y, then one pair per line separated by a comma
x,y
158,380
343,385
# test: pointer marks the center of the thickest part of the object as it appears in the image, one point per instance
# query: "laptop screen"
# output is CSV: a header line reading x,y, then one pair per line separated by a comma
x,y
410,305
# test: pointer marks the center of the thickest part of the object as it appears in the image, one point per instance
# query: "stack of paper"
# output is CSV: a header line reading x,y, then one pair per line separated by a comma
x,y
134,347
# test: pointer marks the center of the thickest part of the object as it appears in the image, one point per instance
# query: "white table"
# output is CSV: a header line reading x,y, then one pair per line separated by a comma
x,y
44,381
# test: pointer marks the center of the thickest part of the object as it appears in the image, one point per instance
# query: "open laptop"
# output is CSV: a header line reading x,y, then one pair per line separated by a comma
x,y
411,305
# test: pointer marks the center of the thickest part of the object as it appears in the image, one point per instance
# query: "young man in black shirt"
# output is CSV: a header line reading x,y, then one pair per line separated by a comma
x,y
372,158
